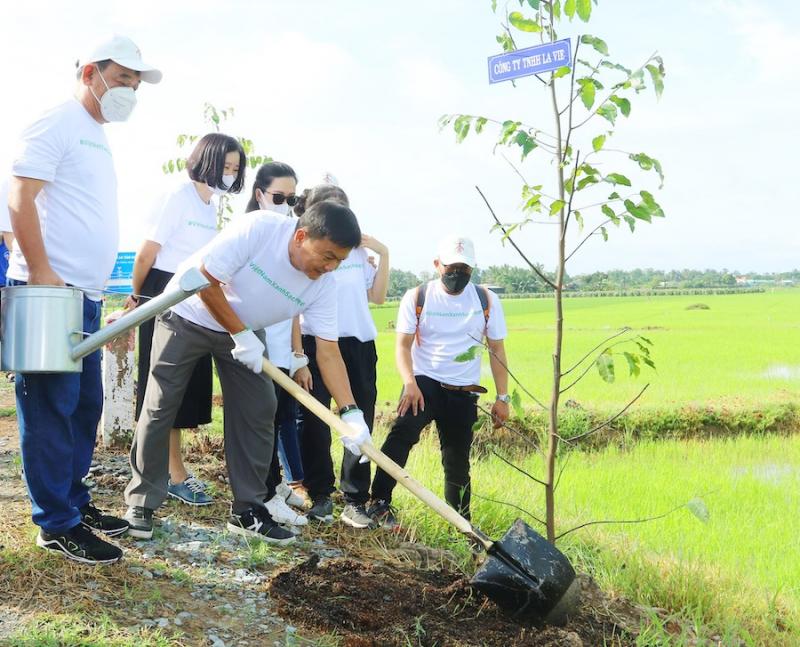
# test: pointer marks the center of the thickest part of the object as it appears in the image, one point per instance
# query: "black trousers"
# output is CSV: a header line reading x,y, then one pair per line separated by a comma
x,y
454,412
285,408
360,359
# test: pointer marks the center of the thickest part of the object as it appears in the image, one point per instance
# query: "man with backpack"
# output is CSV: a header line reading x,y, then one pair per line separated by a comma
x,y
437,325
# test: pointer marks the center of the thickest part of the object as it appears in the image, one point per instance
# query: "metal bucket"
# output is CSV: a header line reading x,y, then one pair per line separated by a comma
x,y
40,324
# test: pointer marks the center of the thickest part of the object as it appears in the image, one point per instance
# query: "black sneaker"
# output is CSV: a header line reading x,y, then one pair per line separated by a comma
x,y
140,522
256,523
355,515
321,509
94,519
383,514
80,545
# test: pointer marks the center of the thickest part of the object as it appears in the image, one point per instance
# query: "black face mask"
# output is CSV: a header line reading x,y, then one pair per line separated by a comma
x,y
455,281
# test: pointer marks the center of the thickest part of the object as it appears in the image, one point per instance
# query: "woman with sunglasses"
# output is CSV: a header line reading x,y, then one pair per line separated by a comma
x,y
183,221
358,284
274,190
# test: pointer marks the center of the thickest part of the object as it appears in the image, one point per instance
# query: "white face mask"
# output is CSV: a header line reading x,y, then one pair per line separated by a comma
x,y
227,182
280,208
116,104
267,204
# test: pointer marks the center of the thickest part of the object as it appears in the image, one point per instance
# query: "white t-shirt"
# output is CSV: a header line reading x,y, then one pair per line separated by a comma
x,y
279,343
77,206
251,258
449,325
181,223
354,277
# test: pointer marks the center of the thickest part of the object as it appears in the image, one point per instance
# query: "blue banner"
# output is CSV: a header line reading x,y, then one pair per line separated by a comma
x,y
121,279
531,60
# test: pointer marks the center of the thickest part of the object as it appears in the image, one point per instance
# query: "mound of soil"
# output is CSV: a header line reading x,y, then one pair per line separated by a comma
x,y
371,605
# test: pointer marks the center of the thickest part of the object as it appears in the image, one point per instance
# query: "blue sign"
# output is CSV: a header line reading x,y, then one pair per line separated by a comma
x,y
121,279
528,61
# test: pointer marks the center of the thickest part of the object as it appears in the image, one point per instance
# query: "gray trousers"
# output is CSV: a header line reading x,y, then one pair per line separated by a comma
x,y
249,414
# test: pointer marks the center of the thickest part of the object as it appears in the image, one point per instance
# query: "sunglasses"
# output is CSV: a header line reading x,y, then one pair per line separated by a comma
x,y
279,198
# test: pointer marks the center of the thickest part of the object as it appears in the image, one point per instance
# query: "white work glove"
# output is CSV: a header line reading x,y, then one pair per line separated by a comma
x,y
248,350
355,420
297,362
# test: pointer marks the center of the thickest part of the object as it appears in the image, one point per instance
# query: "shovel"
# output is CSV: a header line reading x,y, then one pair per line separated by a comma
x,y
523,573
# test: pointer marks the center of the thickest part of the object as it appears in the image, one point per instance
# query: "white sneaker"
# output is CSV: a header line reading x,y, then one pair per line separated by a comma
x,y
282,513
289,495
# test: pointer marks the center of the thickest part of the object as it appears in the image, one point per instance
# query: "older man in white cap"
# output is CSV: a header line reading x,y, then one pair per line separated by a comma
x,y
63,207
437,322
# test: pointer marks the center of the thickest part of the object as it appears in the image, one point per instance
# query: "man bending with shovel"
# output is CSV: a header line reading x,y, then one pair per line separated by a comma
x,y
263,269
437,322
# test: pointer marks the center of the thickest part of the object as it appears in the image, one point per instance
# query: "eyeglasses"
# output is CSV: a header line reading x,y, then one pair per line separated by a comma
x,y
280,198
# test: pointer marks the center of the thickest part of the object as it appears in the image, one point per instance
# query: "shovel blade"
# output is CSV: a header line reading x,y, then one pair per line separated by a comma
x,y
524,574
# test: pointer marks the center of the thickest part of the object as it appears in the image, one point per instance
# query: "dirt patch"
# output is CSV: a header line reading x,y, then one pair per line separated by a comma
x,y
370,605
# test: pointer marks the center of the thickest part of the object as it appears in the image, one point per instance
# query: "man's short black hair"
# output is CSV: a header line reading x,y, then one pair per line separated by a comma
x,y
333,221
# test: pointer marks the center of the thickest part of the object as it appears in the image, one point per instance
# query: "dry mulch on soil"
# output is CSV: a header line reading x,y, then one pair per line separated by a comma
x,y
372,605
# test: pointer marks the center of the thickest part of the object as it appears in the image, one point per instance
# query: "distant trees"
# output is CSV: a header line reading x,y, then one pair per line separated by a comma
x,y
523,280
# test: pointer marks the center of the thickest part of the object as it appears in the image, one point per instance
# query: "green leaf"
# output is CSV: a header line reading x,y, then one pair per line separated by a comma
x,y
480,122
445,120
605,233
561,71
617,178
650,203
516,404
556,206
584,8
597,142
589,179
623,104
616,66
479,423
509,128
598,43
506,41
533,3
608,111
494,6
171,166
614,196
657,74
699,509
637,211
649,362
468,355
609,213
556,6
630,220
578,219
633,364
587,92
569,9
525,141
461,126
647,163
522,23
605,365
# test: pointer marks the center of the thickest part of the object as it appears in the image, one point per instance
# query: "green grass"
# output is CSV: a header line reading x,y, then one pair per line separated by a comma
x,y
75,630
743,351
735,575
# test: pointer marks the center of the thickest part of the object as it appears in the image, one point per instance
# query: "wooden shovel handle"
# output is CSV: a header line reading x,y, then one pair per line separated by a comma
x,y
376,455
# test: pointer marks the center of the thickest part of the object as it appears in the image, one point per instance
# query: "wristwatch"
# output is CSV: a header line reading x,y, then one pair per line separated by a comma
x,y
346,408
503,397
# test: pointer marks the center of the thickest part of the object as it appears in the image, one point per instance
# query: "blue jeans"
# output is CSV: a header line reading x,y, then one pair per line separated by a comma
x,y
286,424
58,414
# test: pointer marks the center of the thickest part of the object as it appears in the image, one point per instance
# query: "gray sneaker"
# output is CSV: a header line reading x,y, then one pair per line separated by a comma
x,y
140,522
355,515
321,510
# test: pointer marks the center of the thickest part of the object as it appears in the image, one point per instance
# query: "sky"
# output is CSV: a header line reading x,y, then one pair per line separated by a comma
x,y
355,88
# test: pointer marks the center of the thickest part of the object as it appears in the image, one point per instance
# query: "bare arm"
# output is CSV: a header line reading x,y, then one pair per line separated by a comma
x,y
377,293
303,375
8,239
498,363
334,372
142,264
22,192
217,304
411,397
297,337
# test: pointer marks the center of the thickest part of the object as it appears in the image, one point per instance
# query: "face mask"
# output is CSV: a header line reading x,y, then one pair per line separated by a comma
x,y
116,104
455,281
279,208
227,182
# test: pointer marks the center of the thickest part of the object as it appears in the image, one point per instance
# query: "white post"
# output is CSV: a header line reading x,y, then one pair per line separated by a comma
x,y
119,406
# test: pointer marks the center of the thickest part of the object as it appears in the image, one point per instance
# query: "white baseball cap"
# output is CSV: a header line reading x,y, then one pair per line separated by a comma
x,y
123,51
457,249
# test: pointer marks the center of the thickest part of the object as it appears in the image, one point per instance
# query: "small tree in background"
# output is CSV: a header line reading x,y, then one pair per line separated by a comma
x,y
585,186
214,118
